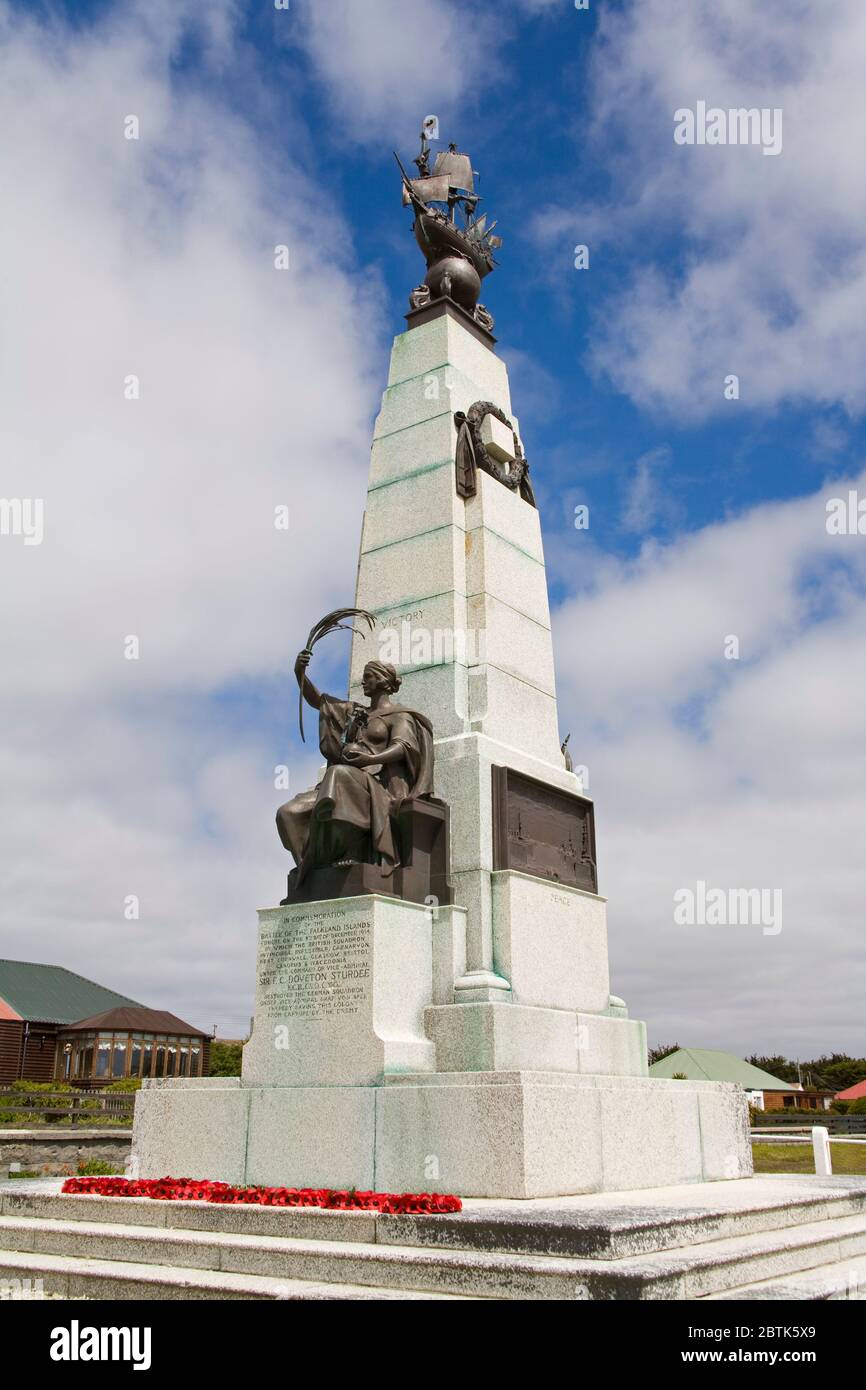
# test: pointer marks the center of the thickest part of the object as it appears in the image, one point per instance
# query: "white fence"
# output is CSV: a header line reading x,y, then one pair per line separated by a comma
x,y
819,1137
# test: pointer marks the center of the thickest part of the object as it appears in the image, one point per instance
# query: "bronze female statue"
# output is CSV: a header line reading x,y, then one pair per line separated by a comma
x,y
378,755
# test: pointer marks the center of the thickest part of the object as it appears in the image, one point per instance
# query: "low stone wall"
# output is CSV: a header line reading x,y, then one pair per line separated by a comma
x,y
57,1152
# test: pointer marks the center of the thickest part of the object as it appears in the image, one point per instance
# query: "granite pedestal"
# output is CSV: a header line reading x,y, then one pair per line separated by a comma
x,y
363,1072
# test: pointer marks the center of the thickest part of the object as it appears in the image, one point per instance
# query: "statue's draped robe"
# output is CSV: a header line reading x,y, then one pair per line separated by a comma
x,y
364,798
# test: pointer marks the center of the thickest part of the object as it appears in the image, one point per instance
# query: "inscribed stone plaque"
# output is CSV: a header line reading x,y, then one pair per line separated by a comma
x,y
314,998
341,989
315,967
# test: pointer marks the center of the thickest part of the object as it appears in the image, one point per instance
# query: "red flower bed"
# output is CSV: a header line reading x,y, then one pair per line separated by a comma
x,y
200,1190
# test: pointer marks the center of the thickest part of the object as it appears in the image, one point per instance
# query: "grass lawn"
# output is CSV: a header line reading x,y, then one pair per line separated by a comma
x,y
798,1158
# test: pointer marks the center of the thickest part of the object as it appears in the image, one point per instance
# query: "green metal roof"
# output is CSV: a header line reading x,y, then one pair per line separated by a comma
x,y
702,1064
52,994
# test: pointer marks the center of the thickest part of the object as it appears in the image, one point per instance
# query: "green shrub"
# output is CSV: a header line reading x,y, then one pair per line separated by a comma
x,y
778,1117
99,1168
857,1107
25,1115
19,1118
225,1058
36,1093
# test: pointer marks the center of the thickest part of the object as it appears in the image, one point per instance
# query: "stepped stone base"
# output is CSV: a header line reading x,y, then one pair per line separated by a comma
x,y
488,1037
478,1134
364,1070
766,1238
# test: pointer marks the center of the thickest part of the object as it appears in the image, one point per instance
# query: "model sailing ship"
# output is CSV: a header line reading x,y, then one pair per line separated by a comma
x,y
459,253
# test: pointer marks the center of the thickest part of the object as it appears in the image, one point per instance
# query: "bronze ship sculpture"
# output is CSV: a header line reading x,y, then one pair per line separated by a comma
x,y
459,253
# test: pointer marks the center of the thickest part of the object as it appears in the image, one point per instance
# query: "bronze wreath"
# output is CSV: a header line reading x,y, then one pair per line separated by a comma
x,y
472,453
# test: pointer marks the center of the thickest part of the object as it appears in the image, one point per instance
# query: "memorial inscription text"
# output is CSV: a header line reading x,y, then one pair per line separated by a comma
x,y
314,967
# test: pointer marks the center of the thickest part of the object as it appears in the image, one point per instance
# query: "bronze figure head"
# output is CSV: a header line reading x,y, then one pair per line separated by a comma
x,y
380,675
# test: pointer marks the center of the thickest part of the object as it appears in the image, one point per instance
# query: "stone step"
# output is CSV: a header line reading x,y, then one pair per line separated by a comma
x,y
73,1277
309,1223
593,1228
290,1258
608,1233
718,1265
842,1279
687,1273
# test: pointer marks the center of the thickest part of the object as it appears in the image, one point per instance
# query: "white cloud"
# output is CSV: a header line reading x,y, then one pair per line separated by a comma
x,y
156,257
648,501
763,260
748,773
387,64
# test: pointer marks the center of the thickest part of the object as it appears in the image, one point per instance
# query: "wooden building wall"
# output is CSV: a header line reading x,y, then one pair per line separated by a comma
x,y
10,1049
795,1100
39,1057
41,1052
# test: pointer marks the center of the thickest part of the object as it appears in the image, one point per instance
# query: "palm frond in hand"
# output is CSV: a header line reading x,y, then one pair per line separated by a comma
x,y
332,622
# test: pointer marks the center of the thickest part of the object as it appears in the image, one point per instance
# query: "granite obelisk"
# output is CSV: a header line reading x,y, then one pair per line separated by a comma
x,y
444,1021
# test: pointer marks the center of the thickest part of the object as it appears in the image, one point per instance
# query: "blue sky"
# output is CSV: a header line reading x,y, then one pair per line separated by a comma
x,y
707,515
538,148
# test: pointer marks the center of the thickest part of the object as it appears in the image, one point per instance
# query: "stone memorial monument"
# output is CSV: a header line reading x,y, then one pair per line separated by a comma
x,y
433,1006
